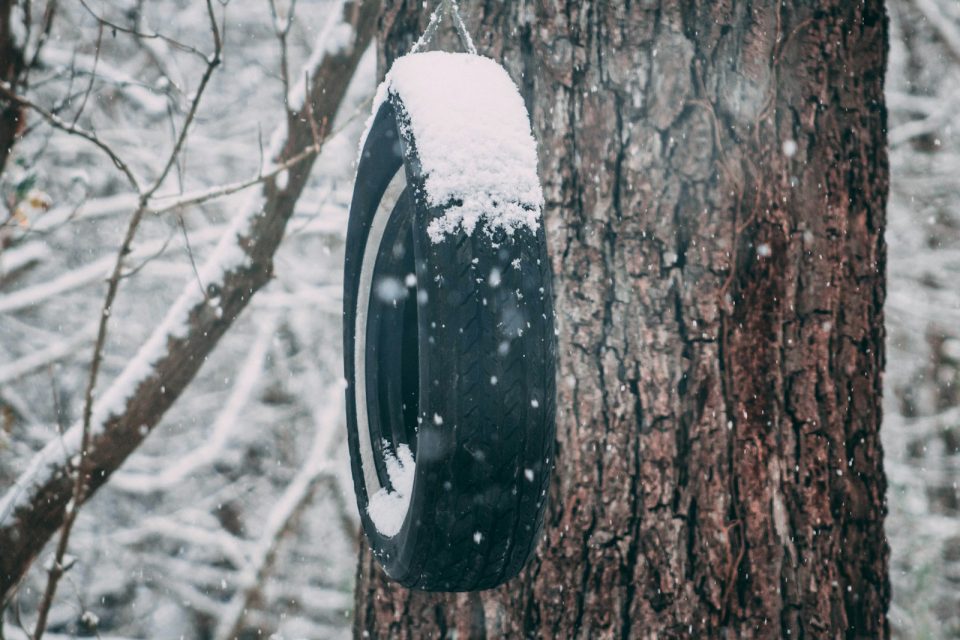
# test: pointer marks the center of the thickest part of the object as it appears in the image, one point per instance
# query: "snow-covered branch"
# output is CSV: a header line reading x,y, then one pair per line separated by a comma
x,y
223,429
944,27
317,465
34,508
96,271
46,356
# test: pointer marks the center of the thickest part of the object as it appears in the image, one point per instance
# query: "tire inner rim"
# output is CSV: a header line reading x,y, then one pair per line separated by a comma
x,y
387,297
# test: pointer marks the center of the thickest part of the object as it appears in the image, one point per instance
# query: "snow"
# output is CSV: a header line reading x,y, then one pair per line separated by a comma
x,y
390,290
227,422
95,271
155,584
473,137
20,256
335,37
153,549
386,508
90,619
228,256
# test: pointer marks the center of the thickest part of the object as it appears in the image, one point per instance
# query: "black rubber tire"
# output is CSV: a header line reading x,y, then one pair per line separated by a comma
x,y
480,414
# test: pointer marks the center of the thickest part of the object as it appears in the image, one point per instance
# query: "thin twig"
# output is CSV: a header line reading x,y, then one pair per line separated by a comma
x,y
48,14
193,262
281,28
56,569
79,485
72,129
212,63
93,76
140,34
205,195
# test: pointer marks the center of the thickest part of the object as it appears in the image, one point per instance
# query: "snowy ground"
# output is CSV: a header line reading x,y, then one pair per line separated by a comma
x,y
169,546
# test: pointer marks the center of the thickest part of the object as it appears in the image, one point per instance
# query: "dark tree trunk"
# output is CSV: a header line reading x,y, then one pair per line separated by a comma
x,y
716,177
11,69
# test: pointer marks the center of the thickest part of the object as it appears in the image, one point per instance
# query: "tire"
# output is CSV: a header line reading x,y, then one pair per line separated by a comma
x,y
453,367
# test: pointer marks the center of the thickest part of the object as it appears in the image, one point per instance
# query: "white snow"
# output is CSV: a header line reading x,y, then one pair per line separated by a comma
x,y
228,256
474,141
90,619
386,508
227,422
390,290
19,256
336,37
95,271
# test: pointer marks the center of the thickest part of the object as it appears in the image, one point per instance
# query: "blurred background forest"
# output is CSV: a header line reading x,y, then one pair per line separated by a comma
x,y
238,512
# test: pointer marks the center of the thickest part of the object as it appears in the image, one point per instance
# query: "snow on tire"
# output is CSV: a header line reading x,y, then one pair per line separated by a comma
x,y
449,348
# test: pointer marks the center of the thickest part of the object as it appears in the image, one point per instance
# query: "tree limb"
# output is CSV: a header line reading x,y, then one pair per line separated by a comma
x,y
941,24
80,481
35,507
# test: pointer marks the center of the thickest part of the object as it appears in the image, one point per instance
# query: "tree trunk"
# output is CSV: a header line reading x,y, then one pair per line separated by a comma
x,y
716,177
11,68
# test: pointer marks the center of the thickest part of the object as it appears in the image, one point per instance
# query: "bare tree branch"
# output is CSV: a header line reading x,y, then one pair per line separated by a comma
x,y
940,23
58,123
142,34
97,270
49,12
205,195
223,428
35,507
281,27
78,494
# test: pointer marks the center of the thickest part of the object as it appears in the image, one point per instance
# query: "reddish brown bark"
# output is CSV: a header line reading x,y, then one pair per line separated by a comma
x,y
716,179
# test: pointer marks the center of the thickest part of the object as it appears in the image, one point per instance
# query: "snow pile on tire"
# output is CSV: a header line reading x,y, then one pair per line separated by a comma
x,y
387,508
473,138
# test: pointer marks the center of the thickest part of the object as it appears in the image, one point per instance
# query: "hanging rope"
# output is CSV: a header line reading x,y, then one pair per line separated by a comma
x,y
453,8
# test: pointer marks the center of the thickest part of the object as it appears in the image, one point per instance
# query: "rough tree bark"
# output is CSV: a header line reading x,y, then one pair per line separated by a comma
x,y
12,66
716,178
